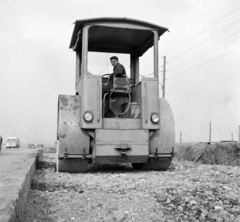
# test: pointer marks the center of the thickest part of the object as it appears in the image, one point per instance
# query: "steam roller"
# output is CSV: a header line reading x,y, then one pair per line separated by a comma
x,y
115,118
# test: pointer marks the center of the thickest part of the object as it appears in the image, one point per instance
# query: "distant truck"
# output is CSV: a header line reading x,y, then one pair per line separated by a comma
x,y
12,142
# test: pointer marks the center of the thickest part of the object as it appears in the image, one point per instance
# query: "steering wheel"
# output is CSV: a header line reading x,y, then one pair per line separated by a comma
x,y
106,76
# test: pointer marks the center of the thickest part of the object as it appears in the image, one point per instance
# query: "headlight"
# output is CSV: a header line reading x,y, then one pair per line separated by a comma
x,y
88,116
155,118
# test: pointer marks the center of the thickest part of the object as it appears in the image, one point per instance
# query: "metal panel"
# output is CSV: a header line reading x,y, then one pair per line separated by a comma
x,y
120,123
70,136
150,102
91,100
109,150
134,137
121,159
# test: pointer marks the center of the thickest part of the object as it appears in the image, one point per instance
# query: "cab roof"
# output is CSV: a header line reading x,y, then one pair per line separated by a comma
x,y
118,35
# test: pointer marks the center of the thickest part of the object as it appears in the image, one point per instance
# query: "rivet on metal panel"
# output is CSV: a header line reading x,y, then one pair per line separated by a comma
x,y
65,154
75,107
64,101
62,135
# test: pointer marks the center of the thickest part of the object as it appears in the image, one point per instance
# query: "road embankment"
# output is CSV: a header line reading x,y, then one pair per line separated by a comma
x,y
17,167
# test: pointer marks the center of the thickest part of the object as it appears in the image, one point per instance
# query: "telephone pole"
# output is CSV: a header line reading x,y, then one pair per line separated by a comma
x,y
210,129
164,73
239,133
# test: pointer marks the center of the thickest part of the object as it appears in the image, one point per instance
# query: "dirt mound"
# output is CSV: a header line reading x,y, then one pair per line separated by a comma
x,y
223,153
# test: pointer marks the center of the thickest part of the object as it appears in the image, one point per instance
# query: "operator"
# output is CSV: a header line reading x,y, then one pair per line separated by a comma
x,y
118,68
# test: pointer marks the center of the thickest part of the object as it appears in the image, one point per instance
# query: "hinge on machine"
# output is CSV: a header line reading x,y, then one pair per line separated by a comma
x,y
83,155
156,154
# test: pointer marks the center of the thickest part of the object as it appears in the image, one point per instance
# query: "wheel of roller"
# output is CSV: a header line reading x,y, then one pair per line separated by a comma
x,y
137,166
72,165
157,164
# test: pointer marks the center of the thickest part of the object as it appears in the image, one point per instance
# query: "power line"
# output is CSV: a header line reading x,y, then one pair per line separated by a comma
x,y
204,30
202,52
207,39
209,61
150,74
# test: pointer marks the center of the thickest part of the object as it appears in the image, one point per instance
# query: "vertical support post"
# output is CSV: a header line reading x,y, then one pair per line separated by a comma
x,y
155,54
136,69
232,136
78,67
84,50
164,73
134,66
180,137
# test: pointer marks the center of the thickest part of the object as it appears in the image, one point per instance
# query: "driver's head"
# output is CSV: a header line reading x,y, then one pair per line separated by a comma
x,y
114,60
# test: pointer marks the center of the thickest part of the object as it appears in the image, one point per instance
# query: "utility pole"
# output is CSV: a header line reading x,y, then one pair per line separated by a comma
x,y
232,136
239,134
210,129
180,137
164,73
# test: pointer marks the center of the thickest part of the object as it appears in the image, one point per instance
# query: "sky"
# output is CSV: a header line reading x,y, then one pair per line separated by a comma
x,y
202,50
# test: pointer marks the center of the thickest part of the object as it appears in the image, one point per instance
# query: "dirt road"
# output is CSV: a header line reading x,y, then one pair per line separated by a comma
x,y
186,192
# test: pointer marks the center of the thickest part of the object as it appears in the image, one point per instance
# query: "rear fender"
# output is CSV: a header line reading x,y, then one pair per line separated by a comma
x,y
163,140
72,139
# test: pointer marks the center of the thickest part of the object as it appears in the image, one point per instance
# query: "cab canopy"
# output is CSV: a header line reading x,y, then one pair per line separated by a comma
x,y
118,35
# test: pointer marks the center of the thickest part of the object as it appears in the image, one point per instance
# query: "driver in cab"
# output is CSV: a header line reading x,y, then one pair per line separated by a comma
x,y
118,70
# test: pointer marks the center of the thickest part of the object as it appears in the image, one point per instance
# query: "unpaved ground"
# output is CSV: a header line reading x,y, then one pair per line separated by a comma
x,y
188,191
225,153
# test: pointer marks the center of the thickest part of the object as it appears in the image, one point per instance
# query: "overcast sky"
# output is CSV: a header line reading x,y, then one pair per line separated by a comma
x,y
202,51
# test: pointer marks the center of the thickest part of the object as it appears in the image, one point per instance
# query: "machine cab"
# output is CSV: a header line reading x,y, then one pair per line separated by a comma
x,y
132,97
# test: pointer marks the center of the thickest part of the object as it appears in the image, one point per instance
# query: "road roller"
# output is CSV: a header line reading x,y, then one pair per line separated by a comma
x,y
115,118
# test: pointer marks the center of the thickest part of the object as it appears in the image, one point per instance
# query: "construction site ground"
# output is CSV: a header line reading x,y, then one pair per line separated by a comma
x,y
202,184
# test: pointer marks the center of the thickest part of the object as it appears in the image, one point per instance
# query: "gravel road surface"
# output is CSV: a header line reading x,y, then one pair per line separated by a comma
x,y
188,191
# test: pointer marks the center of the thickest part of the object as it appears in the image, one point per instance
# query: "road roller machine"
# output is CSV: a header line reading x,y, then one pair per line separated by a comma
x,y
119,119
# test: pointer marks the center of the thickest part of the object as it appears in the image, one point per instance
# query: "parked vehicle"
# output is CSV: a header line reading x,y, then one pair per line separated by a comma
x,y
1,143
122,122
12,142
31,146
